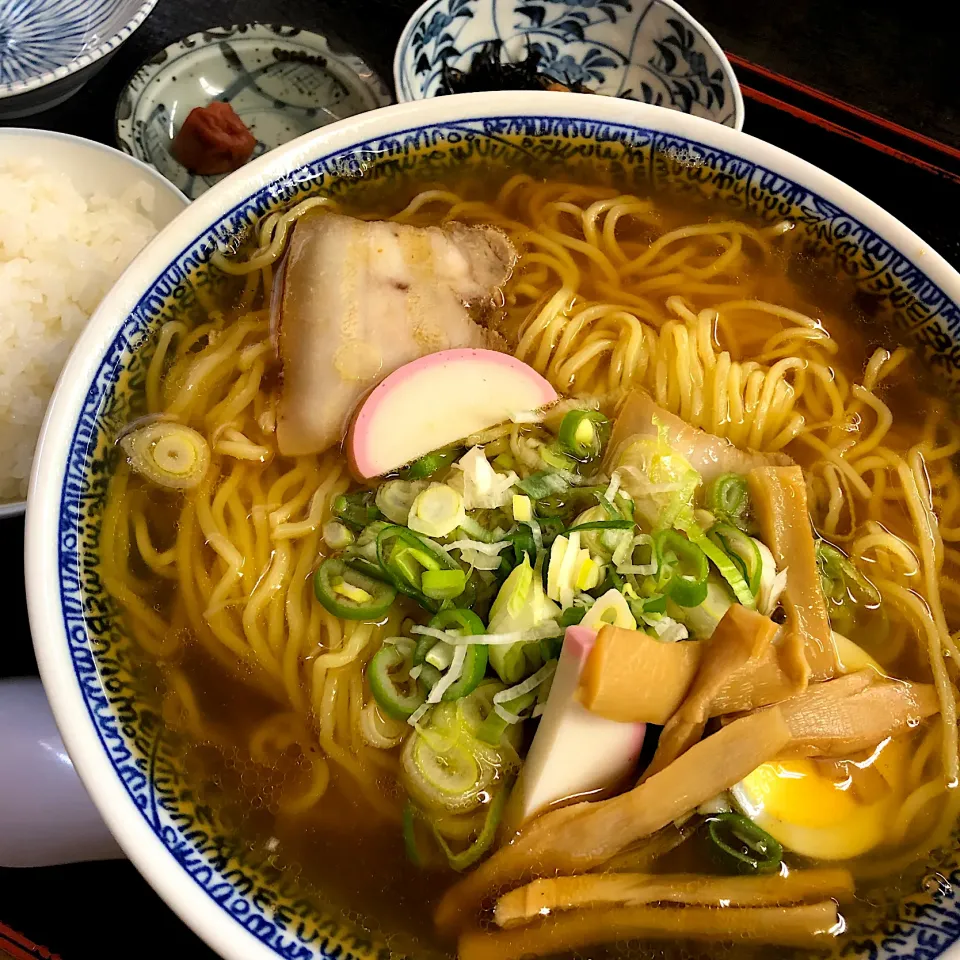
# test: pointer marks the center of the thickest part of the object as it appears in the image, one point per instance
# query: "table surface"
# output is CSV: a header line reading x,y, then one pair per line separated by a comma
x,y
877,57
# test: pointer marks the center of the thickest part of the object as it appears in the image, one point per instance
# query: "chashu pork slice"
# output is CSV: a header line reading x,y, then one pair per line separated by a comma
x,y
362,298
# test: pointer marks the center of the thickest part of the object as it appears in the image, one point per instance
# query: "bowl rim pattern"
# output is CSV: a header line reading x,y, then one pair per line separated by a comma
x,y
17,87
399,74
91,730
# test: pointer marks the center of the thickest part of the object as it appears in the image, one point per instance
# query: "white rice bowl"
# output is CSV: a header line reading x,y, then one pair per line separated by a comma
x,y
60,253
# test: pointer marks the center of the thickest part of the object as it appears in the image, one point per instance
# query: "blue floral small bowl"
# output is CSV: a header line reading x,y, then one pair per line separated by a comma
x,y
647,50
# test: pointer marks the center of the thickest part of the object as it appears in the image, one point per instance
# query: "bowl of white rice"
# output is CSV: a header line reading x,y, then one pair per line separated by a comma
x,y
73,215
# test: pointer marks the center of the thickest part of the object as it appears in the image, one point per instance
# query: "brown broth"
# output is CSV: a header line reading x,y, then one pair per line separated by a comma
x,y
344,855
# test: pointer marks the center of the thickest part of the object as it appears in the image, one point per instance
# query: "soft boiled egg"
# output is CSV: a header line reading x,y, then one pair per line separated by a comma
x,y
824,809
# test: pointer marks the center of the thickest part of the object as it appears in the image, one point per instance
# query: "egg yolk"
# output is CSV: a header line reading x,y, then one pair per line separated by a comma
x,y
823,810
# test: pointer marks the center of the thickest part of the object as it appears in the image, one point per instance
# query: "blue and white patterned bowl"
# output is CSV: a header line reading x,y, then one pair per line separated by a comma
x,y
647,50
106,704
50,48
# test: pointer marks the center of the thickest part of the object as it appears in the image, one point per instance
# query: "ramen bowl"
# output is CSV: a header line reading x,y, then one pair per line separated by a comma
x,y
236,898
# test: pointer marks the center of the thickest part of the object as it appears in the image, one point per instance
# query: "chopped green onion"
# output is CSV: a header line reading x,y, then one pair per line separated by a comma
x,y
683,568
531,683
444,635
655,605
626,555
443,584
432,463
536,532
610,510
381,675
396,497
436,511
362,554
478,546
456,618
366,542
853,602
477,593
542,484
412,818
494,726
614,488
838,574
467,858
343,588
583,434
588,574
423,647
727,569
511,662
168,454
521,610
612,581
522,508
427,653
571,616
663,482
553,456
567,558
462,676
742,550
356,510
741,846
550,529
550,647
429,676
549,628
350,594
602,525
831,565
523,544
606,536
703,620
363,565
405,556
337,535
610,608
772,583
669,630
444,767
646,609
472,672
728,499
475,531
556,507
440,655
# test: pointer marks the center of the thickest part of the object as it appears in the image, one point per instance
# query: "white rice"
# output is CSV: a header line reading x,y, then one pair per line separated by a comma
x,y
59,255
